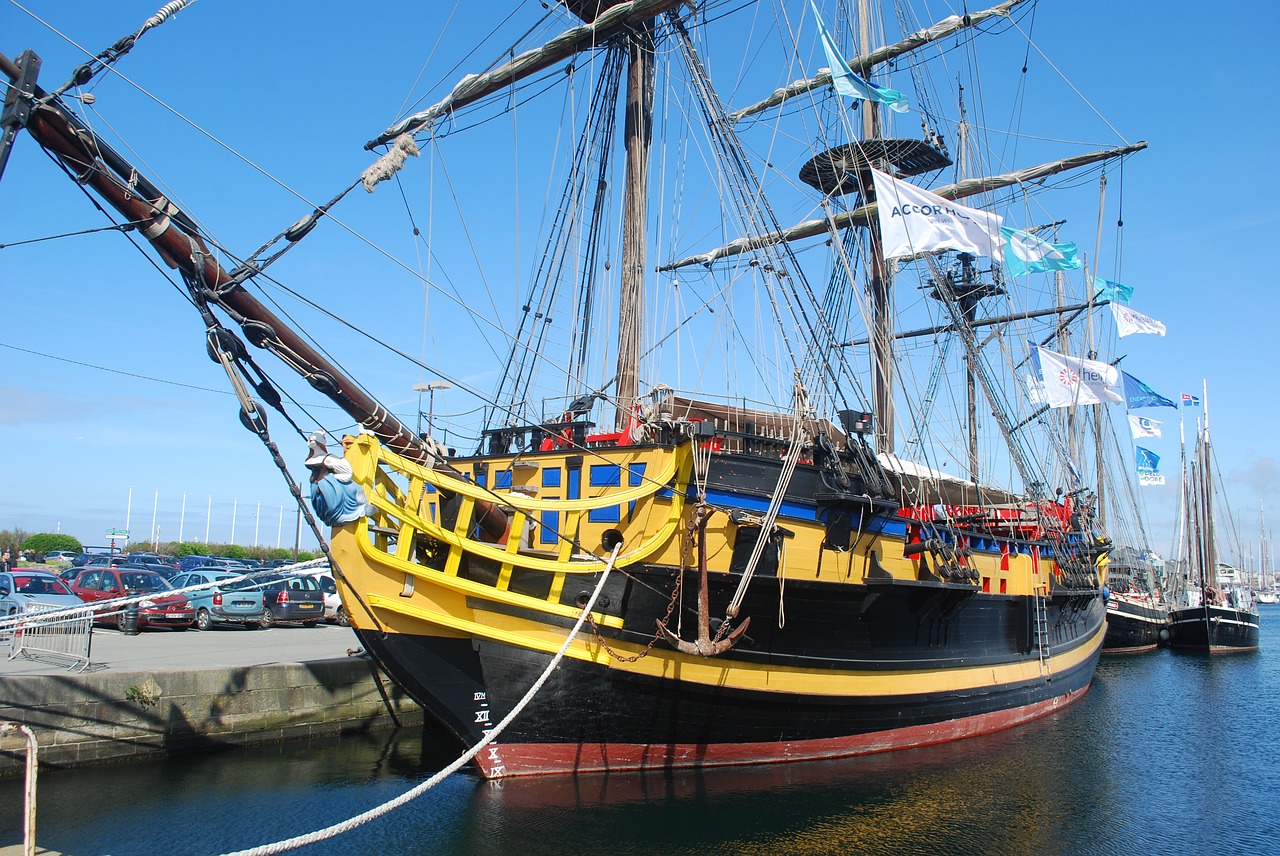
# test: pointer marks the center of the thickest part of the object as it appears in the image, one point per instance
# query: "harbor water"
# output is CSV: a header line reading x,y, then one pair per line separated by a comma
x,y
1168,752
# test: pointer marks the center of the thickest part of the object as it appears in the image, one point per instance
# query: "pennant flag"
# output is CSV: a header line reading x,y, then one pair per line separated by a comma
x,y
1138,394
1131,321
851,85
1025,253
1189,400
1072,380
1141,426
1148,466
914,221
1116,292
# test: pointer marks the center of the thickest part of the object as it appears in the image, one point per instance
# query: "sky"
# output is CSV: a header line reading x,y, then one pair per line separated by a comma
x,y
116,418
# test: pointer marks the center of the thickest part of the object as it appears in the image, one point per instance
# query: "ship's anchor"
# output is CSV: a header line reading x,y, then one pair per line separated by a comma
x,y
705,646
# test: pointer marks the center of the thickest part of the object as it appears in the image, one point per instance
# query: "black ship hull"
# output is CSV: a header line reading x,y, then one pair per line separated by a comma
x,y
1214,629
856,681
1134,626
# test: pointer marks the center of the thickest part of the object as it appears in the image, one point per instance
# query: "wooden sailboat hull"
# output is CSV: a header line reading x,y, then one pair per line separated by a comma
x,y
897,693
1134,626
1214,629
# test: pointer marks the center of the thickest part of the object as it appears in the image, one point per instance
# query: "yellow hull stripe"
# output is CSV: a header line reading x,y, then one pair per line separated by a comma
x,y
662,663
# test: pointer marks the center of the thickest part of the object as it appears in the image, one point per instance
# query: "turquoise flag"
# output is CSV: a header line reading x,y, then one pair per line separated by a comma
x,y
1025,253
851,85
1114,291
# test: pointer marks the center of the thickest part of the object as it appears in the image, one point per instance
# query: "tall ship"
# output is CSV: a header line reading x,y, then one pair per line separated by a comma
x,y
751,480
1216,612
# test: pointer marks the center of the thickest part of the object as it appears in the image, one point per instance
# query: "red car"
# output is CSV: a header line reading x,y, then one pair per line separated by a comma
x,y
163,610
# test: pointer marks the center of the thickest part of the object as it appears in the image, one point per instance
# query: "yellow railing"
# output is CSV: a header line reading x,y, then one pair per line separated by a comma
x,y
414,510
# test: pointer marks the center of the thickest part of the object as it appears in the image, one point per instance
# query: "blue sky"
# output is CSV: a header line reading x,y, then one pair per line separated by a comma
x,y
112,409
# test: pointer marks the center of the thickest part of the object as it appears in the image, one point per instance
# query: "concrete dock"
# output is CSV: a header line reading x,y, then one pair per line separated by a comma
x,y
164,692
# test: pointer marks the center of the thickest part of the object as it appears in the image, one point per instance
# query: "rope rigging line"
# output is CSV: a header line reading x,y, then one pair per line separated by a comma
x,y
417,791
119,227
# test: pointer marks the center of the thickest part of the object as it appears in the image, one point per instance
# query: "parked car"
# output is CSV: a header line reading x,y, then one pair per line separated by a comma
x,y
334,610
163,610
231,601
292,598
18,588
60,556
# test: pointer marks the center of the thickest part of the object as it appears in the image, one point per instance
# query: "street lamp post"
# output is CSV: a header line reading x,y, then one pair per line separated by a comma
x,y
430,390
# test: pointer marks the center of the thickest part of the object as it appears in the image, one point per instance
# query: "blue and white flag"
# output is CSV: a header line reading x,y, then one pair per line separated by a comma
x,y
1148,467
1189,400
1116,292
914,221
1069,380
1025,253
851,85
1138,394
1141,426
1132,321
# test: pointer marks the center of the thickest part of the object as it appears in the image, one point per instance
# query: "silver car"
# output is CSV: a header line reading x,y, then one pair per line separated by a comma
x,y
227,600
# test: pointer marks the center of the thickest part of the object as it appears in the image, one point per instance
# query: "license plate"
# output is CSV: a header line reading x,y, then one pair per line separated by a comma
x,y
175,615
306,606
243,604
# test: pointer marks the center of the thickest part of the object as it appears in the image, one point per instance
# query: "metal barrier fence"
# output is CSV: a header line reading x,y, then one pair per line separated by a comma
x,y
65,639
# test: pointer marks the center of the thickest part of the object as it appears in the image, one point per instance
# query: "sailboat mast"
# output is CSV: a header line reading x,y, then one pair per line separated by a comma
x,y
1097,408
638,132
880,281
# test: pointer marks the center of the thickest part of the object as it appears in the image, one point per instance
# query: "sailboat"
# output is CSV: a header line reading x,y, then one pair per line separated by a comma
x,y
1217,613
1137,613
1267,591
702,544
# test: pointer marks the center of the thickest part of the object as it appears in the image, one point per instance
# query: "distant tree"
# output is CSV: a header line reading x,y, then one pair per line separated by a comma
x,y
47,542
11,539
180,548
304,556
234,551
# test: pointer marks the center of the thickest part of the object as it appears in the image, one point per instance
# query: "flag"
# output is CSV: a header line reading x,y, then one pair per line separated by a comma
x,y
1138,394
1035,390
849,84
914,221
1148,467
1131,321
1113,291
1072,380
1189,400
1025,253
1141,426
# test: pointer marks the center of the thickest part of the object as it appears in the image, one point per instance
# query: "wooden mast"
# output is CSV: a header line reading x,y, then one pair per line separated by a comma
x,y
638,132
880,282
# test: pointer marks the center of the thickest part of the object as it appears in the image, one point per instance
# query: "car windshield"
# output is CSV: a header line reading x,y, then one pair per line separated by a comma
x,y
143,581
230,583
40,584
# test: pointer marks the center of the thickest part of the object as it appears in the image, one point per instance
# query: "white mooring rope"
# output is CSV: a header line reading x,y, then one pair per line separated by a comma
x,y
419,790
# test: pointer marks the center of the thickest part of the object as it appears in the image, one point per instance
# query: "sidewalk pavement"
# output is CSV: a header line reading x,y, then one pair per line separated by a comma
x,y
223,647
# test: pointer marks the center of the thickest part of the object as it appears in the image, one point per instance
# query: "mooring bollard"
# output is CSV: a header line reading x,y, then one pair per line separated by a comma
x,y
129,620
29,817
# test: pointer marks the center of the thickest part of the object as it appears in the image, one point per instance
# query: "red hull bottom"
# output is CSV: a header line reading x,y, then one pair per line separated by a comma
x,y
532,759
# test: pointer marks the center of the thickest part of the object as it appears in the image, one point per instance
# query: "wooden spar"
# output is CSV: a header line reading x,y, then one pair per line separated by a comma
x,y
985,322
639,135
175,238
864,63
862,215
473,87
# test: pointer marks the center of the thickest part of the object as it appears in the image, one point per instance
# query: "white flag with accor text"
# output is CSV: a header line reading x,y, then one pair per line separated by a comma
x,y
915,221
1072,380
